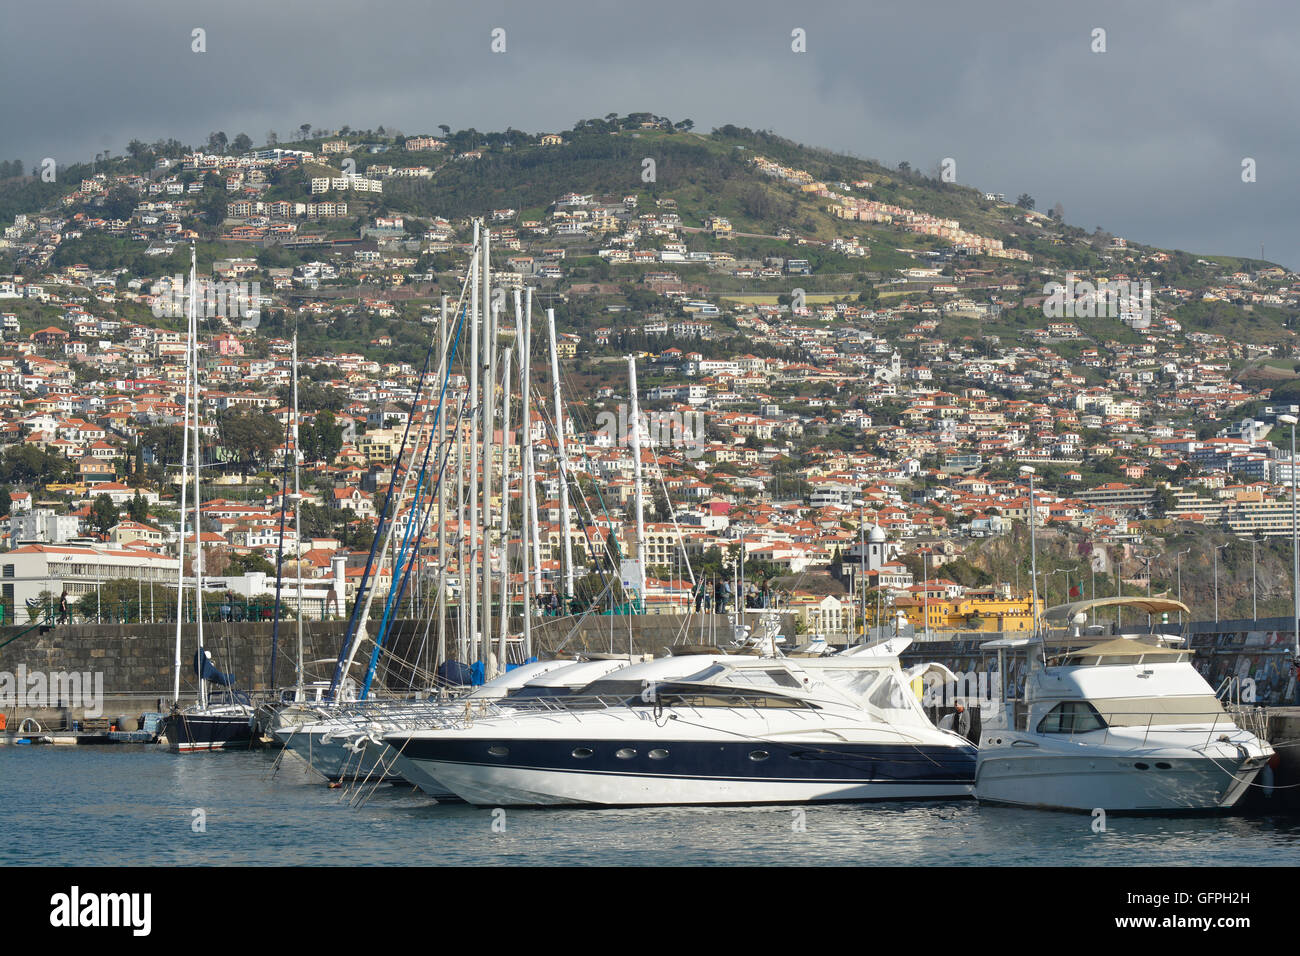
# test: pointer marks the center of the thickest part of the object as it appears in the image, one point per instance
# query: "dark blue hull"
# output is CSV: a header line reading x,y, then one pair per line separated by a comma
x,y
186,732
756,761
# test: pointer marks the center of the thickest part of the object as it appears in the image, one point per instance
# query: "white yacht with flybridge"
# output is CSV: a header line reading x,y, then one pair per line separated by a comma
x,y
1122,722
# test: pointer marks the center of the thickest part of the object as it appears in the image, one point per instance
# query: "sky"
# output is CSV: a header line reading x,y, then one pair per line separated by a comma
x,y
1146,139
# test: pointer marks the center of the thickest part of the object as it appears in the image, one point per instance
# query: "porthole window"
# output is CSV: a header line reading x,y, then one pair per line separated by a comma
x,y
582,753
1164,766
757,755
499,751
625,753
1142,766
658,754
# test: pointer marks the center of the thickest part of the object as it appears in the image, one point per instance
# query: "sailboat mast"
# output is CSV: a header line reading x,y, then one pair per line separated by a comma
x,y
562,464
441,603
198,516
527,536
462,612
489,359
636,476
185,459
530,464
472,590
297,516
505,505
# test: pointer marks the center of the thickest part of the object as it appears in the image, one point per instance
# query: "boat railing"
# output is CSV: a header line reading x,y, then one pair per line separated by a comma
x,y
1249,718
1219,722
468,711
464,713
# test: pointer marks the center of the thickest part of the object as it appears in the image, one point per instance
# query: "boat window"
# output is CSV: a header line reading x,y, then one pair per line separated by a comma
x,y
766,677
616,688
1071,717
722,698
530,692
856,682
1076,658
679,694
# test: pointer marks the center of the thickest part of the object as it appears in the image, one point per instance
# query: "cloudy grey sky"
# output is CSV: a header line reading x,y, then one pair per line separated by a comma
x,y
1146,139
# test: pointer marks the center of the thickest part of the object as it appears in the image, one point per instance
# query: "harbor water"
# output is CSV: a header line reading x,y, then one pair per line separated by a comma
x,y
126,806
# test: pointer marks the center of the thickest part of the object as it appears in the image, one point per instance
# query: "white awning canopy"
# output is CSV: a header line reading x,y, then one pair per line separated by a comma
x,y
1153,607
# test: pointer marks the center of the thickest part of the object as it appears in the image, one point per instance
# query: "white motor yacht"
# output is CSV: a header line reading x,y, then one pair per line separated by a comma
x,y
709,729
1122,723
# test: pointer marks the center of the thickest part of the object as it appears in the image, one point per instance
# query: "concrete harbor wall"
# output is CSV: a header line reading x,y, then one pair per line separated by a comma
x,y
135,661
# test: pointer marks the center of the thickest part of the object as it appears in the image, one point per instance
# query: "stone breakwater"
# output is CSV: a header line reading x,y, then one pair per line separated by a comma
x,y
136,661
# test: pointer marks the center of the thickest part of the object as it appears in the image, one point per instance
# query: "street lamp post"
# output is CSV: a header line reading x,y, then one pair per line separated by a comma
x,y
1295,537
1033,546
1254,579
1216,550
862,564
925,585
1178,564
1066,572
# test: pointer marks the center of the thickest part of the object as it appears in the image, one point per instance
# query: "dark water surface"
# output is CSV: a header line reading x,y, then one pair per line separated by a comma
x,y
120,806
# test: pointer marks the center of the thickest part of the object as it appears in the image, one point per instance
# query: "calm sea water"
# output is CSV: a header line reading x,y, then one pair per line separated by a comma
x,y
118,806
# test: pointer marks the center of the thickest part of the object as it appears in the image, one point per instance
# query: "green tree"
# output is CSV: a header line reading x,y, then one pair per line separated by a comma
x,y
103,513
213,207
251,437
47,602
589,589
244,563
119,203
138,508
1163,501
29,465
166,442
322,439
613,553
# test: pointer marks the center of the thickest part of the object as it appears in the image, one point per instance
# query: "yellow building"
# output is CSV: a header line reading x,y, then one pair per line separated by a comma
x,y
380,444
976,613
